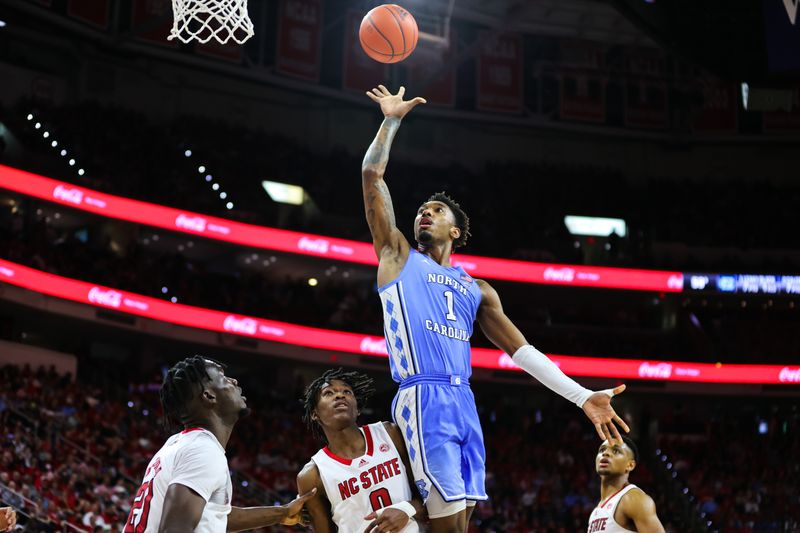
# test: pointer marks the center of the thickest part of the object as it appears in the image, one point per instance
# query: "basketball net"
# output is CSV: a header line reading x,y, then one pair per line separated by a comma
x,y
202,20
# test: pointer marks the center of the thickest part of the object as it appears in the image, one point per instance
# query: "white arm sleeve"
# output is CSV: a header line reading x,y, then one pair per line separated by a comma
x,y
547,372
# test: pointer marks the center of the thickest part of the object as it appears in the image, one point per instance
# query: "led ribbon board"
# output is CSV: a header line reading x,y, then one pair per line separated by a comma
x,y
315,245
357,343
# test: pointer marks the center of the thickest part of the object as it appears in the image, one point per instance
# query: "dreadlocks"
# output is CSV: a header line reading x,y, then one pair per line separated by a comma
x,y
183,382
462,220
361,384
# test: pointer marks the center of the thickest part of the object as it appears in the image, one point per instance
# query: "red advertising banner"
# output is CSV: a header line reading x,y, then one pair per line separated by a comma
x,y
431,72
359,343
719,112
582,97
298,52
361,73
784,121
151,21
646,104
294,242
500,72
95,13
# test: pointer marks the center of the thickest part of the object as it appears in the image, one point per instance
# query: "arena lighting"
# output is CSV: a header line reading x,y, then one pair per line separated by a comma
x,y
63,152
37,125
284,193
318,246
359,343
30,116
223,195
187,153
229,205
215,186
745,95
201,169
595,226
2,23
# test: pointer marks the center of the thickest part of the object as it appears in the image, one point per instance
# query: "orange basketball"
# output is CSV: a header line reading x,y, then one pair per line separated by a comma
x,y
388,33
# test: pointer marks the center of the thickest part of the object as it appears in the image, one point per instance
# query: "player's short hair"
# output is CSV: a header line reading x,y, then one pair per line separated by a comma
x,y
462,220
183,382
632,445
362,385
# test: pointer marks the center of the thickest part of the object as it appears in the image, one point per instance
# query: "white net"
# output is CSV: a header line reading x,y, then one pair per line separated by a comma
x,y
203,20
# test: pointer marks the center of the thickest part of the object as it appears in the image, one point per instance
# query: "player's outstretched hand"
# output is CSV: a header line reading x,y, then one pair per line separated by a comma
x,y
8,518
295,514
393,105
605,419
389,521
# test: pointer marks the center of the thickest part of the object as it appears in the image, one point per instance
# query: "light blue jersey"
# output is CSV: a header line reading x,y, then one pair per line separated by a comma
x,y
428,316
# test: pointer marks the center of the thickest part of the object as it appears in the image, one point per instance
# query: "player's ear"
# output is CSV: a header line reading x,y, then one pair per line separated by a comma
x,y
455,232
631,466
208,397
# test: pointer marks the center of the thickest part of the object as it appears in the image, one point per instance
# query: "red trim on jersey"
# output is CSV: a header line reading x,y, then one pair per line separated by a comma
x,y
609,498
189,430
368,438
336,457
348,462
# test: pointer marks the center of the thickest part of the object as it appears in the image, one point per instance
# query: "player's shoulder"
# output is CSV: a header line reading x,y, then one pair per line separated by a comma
x,y
636,501
392,429
308,477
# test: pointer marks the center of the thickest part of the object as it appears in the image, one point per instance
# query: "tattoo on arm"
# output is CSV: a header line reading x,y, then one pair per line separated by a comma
x,y
377,155
379,192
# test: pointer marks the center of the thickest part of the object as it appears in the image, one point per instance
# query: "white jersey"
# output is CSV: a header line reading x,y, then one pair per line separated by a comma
x,y
356,487
193,458
602,518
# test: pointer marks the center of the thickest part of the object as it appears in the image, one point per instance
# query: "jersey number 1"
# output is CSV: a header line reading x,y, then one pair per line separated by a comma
x,y
448,295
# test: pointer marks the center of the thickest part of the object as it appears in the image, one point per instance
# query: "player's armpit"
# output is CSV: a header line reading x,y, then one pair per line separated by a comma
x,y
183,508
318,507
641,509
494,323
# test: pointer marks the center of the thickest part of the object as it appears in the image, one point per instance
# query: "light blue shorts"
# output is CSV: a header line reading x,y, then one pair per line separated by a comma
x,y
439,422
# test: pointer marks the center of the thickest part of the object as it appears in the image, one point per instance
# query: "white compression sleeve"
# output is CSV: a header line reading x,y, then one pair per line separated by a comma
x,y
547,372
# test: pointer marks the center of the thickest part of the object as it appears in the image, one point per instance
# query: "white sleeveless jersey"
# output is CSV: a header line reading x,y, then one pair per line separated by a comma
x,y
193,458
602,518
356,487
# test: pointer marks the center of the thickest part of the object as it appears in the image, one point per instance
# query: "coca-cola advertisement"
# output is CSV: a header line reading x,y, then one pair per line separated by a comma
x,y
299,39
789,375
190,222
105,297
68,194
500,72
655,370
241,325
313,245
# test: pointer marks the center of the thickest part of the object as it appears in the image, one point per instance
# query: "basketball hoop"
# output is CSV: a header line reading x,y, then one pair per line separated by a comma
x,y
202,20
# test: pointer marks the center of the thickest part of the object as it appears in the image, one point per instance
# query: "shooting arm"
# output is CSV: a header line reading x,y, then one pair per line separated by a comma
x,y
377,201
499,329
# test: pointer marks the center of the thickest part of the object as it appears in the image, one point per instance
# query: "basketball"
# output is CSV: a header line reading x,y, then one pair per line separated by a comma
x,y
388,33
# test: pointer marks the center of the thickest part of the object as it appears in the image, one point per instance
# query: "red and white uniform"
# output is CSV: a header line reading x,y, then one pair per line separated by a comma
x,y
193,458
356,487
602,518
